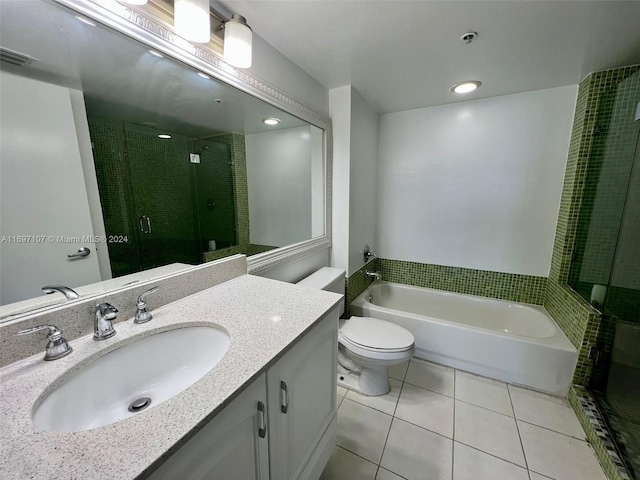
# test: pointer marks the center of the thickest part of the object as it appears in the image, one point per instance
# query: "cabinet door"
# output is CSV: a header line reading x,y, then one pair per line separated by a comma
x,y
229,447
301,391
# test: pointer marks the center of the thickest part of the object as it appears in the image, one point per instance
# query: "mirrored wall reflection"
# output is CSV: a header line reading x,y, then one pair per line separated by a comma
x,y
85,170
170,196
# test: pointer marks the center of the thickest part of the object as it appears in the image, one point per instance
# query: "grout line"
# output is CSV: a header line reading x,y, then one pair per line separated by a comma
x,y
357,455
422,428
485,408
524,455
491,455
453,434
553,431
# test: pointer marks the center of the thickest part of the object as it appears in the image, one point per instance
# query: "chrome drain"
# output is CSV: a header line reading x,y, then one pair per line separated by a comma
x,y
139,404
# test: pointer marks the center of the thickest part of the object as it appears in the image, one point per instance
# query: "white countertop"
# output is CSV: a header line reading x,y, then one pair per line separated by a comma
x,y
263,317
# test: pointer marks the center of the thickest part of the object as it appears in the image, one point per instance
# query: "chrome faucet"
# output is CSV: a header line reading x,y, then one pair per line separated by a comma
x,y
102,326
142,314
66,291
57,347
373,275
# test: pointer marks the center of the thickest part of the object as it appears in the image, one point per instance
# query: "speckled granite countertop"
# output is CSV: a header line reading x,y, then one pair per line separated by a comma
x,y
263,317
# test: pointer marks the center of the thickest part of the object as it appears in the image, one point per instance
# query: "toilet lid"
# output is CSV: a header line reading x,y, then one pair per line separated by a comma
x,y
376,334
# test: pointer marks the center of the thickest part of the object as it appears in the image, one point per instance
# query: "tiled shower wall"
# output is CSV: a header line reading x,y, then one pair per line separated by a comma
x,y
575,316
580,322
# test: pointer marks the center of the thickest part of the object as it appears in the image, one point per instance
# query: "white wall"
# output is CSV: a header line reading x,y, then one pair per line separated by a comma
x,y
365,124
355,152
475,184
279,185
276,69
340,110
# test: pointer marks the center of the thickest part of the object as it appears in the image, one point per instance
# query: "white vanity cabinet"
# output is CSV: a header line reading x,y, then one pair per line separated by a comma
x,y
295,400
301,400
232,446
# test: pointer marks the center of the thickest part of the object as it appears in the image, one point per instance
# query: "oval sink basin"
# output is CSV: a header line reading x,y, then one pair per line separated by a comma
x,y
132,378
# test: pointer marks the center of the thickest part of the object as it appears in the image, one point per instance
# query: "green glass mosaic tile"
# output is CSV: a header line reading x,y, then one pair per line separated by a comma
x,y
357,282
484,283
577,319
594,437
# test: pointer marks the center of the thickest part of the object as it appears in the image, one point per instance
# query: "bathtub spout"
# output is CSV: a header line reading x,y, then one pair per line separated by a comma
x,y
373,275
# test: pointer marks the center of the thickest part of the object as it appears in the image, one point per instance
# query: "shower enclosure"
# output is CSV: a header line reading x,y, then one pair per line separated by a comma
x,y
605,268
164,198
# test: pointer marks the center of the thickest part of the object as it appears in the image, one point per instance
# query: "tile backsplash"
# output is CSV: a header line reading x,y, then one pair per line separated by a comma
x,y
484,283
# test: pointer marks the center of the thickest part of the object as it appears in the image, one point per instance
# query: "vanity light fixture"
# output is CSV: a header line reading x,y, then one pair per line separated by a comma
x,y
192,20
237,42
86,21
465,87
271,121
164,135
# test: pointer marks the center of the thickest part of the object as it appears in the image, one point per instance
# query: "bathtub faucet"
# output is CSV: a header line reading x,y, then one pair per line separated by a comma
x,y
373,275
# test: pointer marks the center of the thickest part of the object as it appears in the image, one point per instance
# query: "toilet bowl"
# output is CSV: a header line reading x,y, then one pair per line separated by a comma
x,y
366,346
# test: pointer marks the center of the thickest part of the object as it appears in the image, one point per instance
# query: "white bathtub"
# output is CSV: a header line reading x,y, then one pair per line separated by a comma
x,y
516,343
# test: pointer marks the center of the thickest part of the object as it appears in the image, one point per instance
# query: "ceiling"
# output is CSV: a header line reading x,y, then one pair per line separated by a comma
x,y
402,55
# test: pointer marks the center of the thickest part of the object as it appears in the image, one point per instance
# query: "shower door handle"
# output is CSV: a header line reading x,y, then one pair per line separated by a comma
x,y
144,221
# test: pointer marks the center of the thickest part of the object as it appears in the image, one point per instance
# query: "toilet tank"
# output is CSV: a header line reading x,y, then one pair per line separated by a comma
x,y
327,278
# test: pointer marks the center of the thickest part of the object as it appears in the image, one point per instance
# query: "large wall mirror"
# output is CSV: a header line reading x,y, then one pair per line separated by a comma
x,y
129,157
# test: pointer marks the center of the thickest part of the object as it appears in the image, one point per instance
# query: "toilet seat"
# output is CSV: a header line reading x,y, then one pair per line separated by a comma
x,y
375,339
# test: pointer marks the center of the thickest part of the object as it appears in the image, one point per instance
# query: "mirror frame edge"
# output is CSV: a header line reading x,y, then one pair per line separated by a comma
x,y
127,20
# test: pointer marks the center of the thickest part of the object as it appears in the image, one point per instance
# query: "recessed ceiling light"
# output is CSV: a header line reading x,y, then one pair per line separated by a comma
x,y
164,135
85,21
157,54
203,75
271,121
465,87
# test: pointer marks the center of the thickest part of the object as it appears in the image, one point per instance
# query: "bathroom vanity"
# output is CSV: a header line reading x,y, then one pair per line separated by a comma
x,y
266,410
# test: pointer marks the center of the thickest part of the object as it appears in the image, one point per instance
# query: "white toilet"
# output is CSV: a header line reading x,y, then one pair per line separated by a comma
x,y
366,346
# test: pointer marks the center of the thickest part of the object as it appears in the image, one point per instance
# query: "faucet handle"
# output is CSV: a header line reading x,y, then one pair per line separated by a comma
x,y
142,314
102,321
57,347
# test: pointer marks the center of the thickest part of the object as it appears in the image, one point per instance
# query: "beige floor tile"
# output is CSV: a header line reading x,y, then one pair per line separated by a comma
x,y
415,453
384,403
545,411
426,409
472,464
488,431
398,371
558,456
387,475
537,476
362,430
483,392
430,376
344,464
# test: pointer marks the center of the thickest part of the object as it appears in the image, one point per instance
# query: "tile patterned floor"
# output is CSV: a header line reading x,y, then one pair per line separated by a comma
x,y
438,423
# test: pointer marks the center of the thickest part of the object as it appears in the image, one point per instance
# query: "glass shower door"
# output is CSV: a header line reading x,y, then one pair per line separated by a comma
x,y
164,197
619,397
